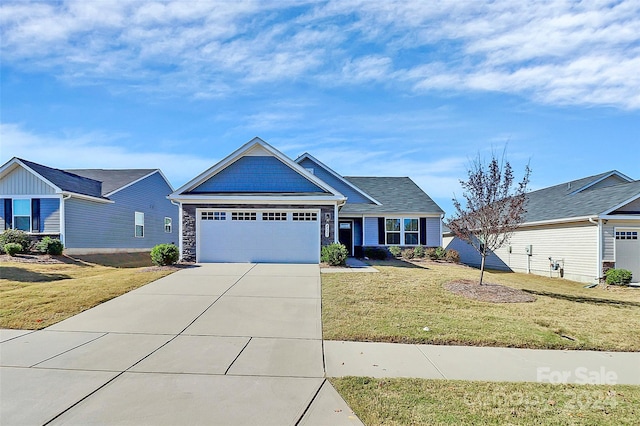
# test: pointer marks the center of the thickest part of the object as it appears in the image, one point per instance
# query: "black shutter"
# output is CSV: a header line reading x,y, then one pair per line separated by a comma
x,y
423,231
8,216
381,230
35,214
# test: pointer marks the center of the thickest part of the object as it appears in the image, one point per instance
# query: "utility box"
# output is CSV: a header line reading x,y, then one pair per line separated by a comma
x,y
529,250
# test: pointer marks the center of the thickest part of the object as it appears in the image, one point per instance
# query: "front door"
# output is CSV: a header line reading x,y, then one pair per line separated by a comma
x,y
345,235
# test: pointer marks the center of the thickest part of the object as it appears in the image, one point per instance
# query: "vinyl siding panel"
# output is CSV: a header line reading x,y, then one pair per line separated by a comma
x,y
470,256
609,236
576,244
352,195
370,231
23,182
434,235
111,226
50,215
257,174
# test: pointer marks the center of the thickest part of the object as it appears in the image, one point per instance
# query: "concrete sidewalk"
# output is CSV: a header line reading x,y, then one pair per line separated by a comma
x,y
480,363
214,344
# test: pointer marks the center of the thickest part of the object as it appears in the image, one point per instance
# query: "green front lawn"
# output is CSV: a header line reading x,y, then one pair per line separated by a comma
x,y
395,305
436,402
34,296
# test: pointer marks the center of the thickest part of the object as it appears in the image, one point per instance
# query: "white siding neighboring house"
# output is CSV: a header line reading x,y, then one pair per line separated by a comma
x,y
585,226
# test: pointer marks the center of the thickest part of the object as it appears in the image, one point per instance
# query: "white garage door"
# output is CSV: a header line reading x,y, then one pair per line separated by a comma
x,y
628,251
268,236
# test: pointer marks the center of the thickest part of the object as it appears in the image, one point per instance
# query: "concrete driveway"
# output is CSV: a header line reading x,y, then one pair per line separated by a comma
x,y
225,344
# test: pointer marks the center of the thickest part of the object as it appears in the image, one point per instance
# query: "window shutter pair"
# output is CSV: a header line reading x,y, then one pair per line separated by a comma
x,y
35,214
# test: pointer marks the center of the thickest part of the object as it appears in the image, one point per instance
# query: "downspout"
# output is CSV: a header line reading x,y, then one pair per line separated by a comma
x,y
441,240
599,247
335,220
179,205
63,228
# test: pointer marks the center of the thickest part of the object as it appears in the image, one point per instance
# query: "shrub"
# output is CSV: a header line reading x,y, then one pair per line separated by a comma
x,y
452,255
15,236
619,276
440,253
50,246
164,254
395,251
419,251
407,253
12,248
375,253
334,254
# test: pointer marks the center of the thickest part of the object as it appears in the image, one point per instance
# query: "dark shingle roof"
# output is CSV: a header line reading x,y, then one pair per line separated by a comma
x,y
93,182
396,194
562,201
112,179
67,181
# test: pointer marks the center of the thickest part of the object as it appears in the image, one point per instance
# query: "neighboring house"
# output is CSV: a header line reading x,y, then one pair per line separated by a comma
x,y
258,205
576,229
90,210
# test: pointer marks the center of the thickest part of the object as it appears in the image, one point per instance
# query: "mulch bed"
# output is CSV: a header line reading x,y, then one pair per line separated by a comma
x,y
34,258
494,293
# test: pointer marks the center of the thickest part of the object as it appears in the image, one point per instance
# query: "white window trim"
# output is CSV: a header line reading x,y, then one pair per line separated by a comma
x,y
136,224
402,231
13,215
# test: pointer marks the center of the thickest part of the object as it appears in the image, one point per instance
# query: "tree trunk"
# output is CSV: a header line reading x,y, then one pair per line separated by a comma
x,y
484,256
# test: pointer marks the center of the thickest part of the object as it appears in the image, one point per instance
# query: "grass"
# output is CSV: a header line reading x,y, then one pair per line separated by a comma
x,y
436,402
395,305
34,296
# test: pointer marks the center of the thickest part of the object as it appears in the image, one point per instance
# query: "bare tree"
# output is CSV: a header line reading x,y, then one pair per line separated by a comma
x,y
494,209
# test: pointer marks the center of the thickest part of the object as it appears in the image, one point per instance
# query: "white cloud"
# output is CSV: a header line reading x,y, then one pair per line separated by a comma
x,y
557,52
95,150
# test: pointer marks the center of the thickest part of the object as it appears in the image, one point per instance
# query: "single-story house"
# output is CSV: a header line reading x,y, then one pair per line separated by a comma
x,y
576,230
258,205
90,210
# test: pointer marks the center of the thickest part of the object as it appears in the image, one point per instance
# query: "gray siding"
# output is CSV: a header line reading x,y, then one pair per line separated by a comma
x,y
50,215
609,236
370,231
257,174
22,182
434,234
111,226
352,195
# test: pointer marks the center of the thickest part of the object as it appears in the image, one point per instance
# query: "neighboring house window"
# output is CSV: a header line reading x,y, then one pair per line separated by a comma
x,y
392,228
271,216
139,224
304,216
402,231
167,225
214,216
22,215
626,235
243,216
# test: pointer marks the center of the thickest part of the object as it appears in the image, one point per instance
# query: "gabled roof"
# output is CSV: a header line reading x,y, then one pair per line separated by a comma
x,y
579,198
113,180
396,195
94,183
340,178
259,148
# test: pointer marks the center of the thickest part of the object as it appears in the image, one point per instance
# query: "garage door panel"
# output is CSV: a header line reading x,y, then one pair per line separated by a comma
x,y
259,241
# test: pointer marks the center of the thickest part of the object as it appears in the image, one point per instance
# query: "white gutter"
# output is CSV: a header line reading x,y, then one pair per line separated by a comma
x,y
63,228
336,225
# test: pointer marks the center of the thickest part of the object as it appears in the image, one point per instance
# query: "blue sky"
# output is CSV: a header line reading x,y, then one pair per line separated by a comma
x,y
415,88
